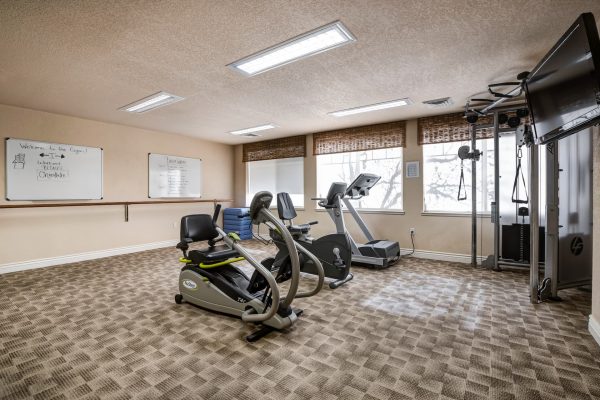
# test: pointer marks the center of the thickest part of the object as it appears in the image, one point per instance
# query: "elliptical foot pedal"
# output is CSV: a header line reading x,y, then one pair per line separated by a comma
x,y
298,311
262,332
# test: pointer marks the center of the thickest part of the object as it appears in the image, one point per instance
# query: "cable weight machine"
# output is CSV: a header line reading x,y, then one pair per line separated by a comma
x,y
503,125
549,227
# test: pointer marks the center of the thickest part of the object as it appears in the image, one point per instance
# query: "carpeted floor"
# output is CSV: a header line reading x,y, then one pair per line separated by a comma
x,y
109,329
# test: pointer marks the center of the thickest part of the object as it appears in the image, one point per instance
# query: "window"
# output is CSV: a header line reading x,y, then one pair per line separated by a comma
x,y
280,175
441,177
344,167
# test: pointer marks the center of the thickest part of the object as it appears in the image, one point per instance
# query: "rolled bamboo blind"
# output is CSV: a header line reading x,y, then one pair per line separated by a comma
x,y
450,128
370,137
294,146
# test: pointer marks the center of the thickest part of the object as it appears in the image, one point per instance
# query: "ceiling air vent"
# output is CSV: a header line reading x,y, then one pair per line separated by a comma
x,y
250,135
438,103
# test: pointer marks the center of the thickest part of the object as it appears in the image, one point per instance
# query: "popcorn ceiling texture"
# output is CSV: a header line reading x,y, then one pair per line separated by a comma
x,y
87,59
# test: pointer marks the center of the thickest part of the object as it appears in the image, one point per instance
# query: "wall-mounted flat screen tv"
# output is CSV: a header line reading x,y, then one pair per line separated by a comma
x,y
563,90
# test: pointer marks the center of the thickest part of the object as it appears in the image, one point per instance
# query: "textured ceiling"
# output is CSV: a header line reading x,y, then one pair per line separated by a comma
x,y
88,58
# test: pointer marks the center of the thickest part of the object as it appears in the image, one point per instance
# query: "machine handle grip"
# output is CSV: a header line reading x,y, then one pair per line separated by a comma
x,y
216,213
248,316
266,215
320,272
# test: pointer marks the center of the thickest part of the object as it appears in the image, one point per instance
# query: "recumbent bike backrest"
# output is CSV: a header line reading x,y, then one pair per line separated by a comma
x,y
285,207
197,228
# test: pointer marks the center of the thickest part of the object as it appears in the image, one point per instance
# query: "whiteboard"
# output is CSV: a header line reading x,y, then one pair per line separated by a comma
x,y
52,171
171,176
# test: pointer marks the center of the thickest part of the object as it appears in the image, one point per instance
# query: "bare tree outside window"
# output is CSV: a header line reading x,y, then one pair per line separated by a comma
x,y
441,177
345,167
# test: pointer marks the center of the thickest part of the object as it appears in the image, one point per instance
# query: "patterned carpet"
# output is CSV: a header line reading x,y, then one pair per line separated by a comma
x,y
109,329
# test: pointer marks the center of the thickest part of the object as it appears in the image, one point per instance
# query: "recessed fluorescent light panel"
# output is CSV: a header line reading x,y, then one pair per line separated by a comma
x,y
254,129
151,102
308,44
373,107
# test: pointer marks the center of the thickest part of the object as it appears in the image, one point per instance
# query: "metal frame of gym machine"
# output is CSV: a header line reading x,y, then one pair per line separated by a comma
x,y
554,278
533,205
496,261
474,157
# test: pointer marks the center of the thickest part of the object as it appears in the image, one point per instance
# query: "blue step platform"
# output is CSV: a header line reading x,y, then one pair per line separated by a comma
x,y
233,223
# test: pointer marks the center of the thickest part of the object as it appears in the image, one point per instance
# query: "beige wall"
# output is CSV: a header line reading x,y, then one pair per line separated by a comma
x,y
596,232
239,176
445,234
29,234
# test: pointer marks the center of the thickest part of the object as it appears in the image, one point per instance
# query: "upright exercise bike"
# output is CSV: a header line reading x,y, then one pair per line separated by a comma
x,y
333,251
211,281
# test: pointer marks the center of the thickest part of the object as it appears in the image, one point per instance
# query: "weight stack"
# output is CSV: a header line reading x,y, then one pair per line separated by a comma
x,y
515,242
237,220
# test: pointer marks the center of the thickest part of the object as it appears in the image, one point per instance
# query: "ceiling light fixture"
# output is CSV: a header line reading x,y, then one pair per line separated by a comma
x,y
151,102
308,44
254,129
373,107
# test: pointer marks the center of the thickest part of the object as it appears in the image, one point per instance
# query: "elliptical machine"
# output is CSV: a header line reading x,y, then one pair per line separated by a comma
x,y
209,280
333,251
375,253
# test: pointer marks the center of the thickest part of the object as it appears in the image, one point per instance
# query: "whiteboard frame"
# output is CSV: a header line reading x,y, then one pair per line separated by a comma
x,y
174,197
6,162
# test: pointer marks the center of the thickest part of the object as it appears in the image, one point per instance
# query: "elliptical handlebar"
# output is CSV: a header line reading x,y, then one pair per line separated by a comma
x,y
216,213
264,215
320,272
248,316
259,212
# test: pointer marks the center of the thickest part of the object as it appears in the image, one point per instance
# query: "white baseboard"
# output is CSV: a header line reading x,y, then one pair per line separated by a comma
x,y
91,255
594,328
441,256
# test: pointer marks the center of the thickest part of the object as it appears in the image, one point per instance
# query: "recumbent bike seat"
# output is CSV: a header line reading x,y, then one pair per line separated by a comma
x,y
198,228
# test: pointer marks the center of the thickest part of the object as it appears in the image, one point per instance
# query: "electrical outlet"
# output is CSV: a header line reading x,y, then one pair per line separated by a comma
x,y
412,231
175,225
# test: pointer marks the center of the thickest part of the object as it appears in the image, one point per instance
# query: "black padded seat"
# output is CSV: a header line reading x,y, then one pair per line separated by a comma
x,y
304,228
212,255
287,212
201,227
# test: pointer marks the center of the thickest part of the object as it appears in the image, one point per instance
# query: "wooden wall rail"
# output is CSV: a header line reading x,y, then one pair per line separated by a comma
x,y
126,204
